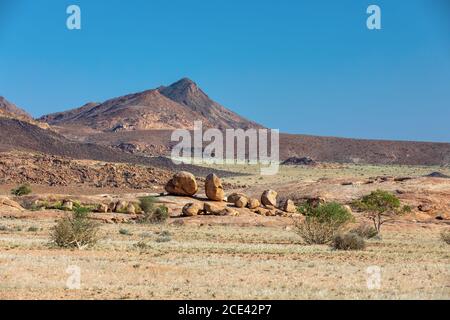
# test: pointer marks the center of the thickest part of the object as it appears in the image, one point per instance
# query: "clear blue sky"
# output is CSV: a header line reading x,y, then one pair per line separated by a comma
x,y
301,66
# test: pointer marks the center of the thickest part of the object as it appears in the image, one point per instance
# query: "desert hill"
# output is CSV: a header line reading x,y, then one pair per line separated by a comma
x,y
322,149
11,110
172,107
18,135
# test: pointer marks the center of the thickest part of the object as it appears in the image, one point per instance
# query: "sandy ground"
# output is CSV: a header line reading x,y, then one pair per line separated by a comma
x,y
244,257
221,262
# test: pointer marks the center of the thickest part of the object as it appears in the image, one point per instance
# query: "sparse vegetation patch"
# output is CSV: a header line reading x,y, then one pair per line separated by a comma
x,y
75,231
22,190
322,223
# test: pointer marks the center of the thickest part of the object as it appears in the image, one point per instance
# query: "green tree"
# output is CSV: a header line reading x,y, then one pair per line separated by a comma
x,y
380,206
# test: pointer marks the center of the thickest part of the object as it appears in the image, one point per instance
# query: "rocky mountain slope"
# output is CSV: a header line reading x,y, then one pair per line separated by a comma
x,y
17,135
22,167
9,109
322,149
172,107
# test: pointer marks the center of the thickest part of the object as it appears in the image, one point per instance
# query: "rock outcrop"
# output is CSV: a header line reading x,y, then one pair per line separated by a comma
x,y
182,184
213,188
269,198
253,203
10,204
191,209
288,206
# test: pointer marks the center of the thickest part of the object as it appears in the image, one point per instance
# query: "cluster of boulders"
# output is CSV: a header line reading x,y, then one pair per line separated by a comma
x,y
119,206
184,184
268,205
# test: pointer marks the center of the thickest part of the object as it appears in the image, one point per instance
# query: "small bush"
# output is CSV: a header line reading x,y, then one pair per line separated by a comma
x,y
22,190
142,245
76,231
348,241
152,214
163,238
407,209
125,232
322,222
313,231
3,228
81,210
147,204
445,236
304,208
33,229
365,231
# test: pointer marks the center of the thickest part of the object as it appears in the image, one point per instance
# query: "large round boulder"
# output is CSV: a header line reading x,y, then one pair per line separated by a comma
x,y
213,188
269,198
234,196
241,202
213,209
253,203
182,184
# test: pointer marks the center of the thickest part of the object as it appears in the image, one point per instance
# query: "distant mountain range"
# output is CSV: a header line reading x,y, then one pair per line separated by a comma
x,y
141,123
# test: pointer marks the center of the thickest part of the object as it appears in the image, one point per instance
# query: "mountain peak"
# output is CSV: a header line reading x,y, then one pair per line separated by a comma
x,y
167,107
183,82
183,87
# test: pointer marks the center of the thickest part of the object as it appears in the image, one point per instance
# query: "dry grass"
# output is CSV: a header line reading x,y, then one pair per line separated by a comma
x,y
227,262
295,173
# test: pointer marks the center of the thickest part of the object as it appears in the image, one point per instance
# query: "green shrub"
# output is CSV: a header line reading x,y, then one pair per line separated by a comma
x,y
151,213
407,209
304,208
147,204
22,190
332,212
32,229
445,236
365,231
81,210
348,241
76,231
321,223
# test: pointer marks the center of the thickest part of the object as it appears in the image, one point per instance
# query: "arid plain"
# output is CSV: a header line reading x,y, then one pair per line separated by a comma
x,y
228,231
